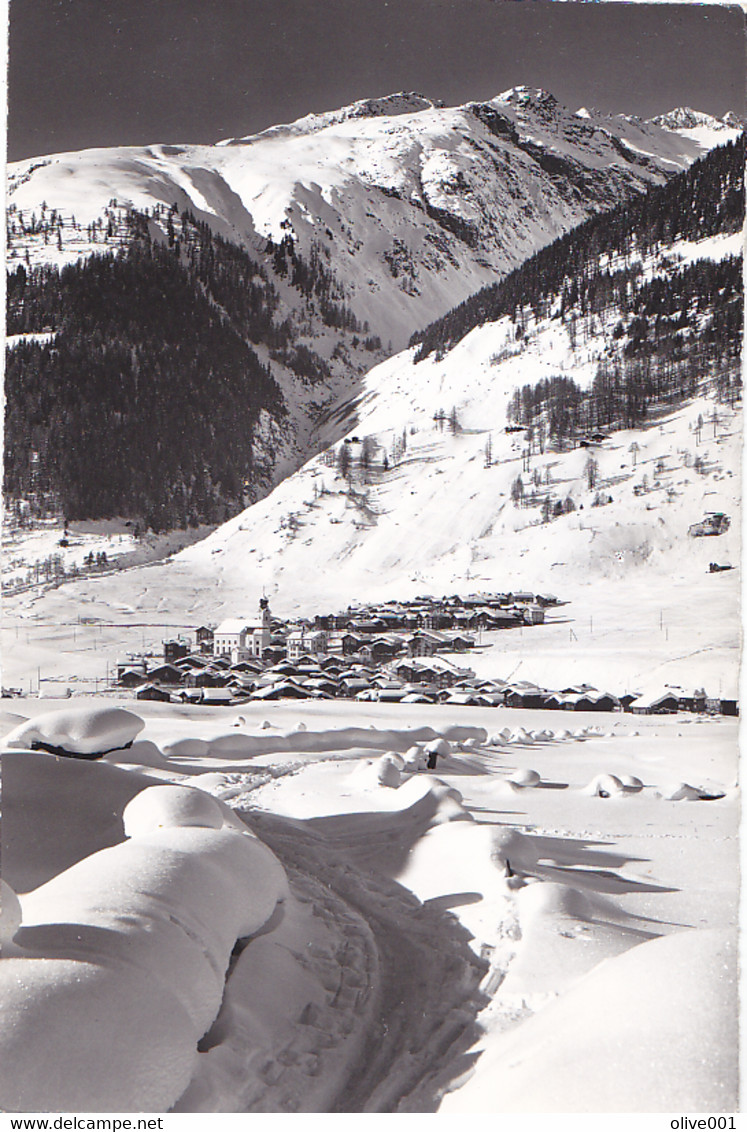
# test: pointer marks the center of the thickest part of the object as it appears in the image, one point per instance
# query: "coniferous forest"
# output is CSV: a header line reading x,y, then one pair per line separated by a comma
x,y
146,400
678,334
142,396
592,267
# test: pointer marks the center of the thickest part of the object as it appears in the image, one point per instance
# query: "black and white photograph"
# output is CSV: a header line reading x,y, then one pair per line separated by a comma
x,y
371,558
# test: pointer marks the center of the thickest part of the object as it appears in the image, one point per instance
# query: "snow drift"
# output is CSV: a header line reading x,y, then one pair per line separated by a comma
x,y
86,732
133,940
672,1048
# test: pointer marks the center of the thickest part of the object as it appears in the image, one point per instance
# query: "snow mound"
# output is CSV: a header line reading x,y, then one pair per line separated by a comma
x,y
525,777
415,759
370,773
163,806
210,781
520,735
388,772
435,750
460,733
472,861
186,748
429,795
81,731
654,1029
550,900
632,784
9,720
133,940
234,745
82,1062
451,809
141,753
510,847
57,811
604,786
684,792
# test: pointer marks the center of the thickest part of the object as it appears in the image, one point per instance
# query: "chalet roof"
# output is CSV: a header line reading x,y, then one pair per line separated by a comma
x,y
284,689
216,696
166,669
232,625
238,625
465,697
153,688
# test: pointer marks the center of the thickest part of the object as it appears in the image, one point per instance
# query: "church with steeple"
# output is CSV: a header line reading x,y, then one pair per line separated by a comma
x,y
241,639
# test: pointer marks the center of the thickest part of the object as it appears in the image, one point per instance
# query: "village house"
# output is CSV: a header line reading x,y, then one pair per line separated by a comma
x,y
380,650
166,674
175,650
128,669
534,614
306,642
131,677
343,643
238,639
152,692
421,644
657,703
204,638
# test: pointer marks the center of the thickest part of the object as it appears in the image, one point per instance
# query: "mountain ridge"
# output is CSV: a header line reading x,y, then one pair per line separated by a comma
x,y
392,218
414,209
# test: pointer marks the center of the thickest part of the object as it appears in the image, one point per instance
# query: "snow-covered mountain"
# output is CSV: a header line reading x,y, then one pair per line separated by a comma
x,y
438,490
435,507
703,129
360,225
410,204
685,118
450,483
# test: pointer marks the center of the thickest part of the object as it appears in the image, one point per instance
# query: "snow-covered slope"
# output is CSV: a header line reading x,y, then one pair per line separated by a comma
x,y
412,206
441,520
437,511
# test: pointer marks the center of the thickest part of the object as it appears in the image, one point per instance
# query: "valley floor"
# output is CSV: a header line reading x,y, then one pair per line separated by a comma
x,y
474,938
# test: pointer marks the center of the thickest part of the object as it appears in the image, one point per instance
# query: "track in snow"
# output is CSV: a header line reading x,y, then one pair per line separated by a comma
x,y
429,992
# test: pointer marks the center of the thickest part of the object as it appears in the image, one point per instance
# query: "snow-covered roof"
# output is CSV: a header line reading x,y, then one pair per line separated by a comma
x,y
232,625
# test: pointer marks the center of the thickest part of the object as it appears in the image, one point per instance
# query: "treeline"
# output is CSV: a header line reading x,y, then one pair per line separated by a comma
x,y
679,333
705,200
146,401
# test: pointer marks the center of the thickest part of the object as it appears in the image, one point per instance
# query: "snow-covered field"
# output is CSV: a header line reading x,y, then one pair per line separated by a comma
x,y
302,918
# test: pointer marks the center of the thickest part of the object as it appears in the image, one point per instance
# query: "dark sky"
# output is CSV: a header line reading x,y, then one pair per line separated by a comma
x,y
107,72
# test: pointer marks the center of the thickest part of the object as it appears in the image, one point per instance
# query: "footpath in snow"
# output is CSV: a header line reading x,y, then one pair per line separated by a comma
x,y
304,918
